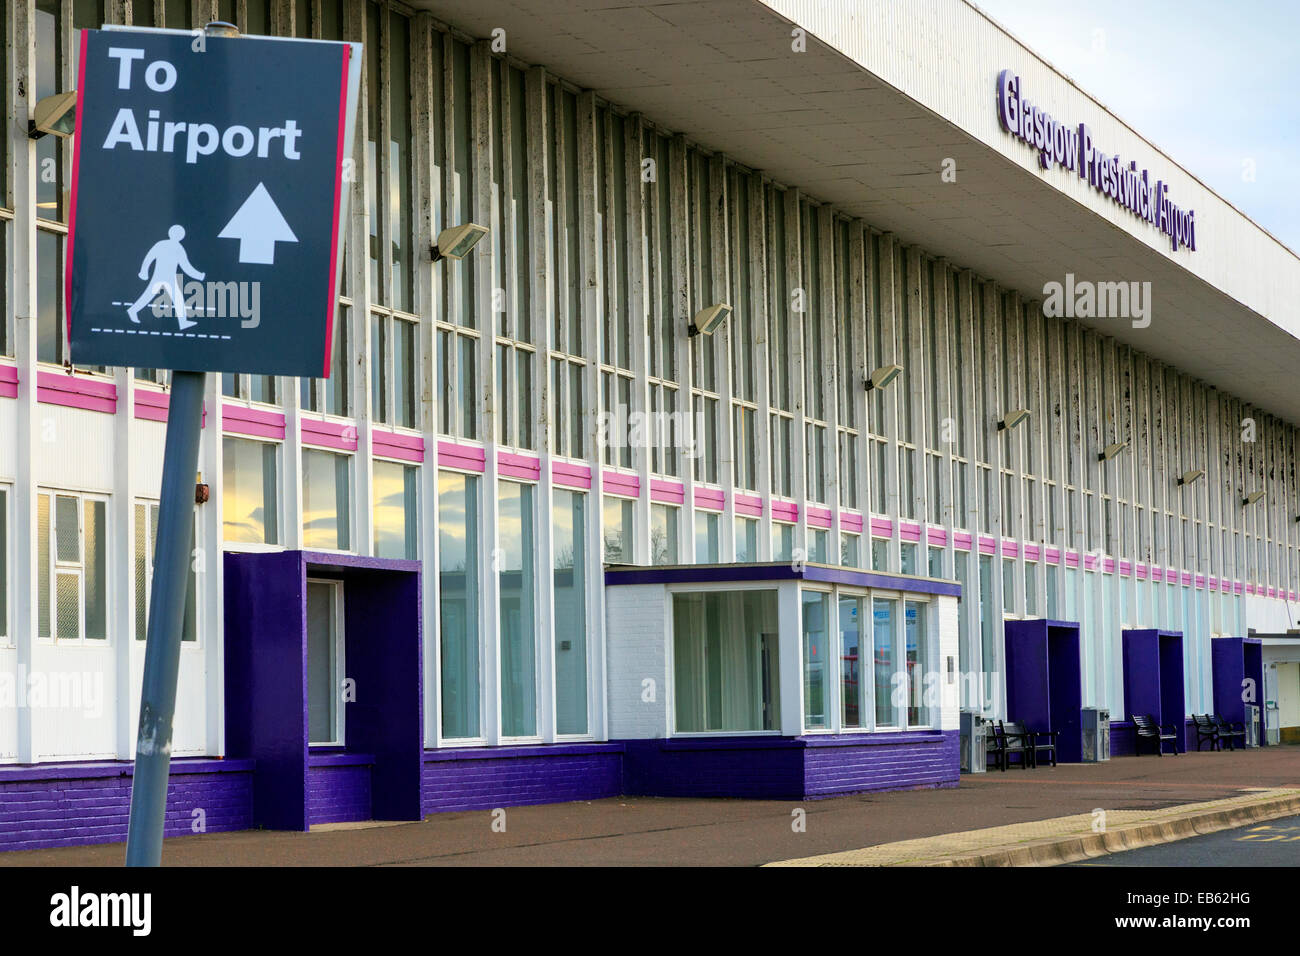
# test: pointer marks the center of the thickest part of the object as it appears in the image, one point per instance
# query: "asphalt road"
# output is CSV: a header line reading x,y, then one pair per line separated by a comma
x,y
1276,843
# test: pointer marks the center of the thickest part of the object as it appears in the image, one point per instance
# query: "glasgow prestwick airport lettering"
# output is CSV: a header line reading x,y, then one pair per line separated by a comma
x,y
1072,148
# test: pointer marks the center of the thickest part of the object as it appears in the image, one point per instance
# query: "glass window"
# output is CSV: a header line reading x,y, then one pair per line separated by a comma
x,y
850,662
918,713
570,567
907,557
663,534
782,541
819,545
617,520
326,500
850,549
458,584
880,554
324,664
935,562
816,636
746,540
518,652
72,575
4,549
708,547
1031,589
146,543
396,528
725,664
249,496
882,626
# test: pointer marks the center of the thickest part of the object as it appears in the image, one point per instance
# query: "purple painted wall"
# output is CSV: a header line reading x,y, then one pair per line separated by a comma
x,y
338,792
1235,660
1044,681
47,805
761,768
901,761
266,680
782,768
480,778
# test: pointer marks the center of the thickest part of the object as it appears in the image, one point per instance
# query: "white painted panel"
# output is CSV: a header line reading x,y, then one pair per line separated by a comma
x,y
8,700
74,448
75,719
8,439
147,440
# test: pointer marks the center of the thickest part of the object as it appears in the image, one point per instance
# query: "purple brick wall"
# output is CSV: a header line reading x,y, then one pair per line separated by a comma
x,y
758,768
338,794
480,778
901,761
69,804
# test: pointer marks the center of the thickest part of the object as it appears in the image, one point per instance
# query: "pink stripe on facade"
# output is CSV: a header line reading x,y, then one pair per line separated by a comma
x,y
1108,565
987,545
851,521
909,531
252,421
1010,549
818,517
570,475
936,536
8,381
785,511
510,465
464,457
388,444
1071,559
667,492
881,527
329,434
1126,568
1053,555
151,406
710,499
962,540
621,483
1032,552
73,391
751,505
1236,587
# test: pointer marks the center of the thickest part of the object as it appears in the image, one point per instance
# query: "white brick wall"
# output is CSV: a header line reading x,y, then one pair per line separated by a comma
x,y
637,649
949,717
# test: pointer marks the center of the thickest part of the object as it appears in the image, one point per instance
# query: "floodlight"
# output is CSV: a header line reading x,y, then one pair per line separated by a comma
x,y
883,376
1013,419
709,318
455,242
55,114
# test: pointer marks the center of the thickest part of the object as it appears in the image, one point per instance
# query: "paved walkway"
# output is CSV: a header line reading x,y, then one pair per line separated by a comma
x,y
1067,839
659,831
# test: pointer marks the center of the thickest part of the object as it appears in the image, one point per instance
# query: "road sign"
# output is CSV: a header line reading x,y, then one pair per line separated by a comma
x,y
208,200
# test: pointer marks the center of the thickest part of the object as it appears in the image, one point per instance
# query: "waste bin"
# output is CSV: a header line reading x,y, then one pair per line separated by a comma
x,y
1096,734
974,731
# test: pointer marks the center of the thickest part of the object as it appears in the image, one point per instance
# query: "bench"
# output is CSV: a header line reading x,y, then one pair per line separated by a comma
x,y
1207,731
1043,741
1231,730
1004,741
1148,728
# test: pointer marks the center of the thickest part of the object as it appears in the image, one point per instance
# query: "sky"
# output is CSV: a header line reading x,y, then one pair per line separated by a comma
x,y
1215,85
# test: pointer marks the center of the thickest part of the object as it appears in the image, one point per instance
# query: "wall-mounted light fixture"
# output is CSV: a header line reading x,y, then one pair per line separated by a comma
x,y
55,114
1253,497
455,242
1110,451
1187,477
1013,418
883,376
708,319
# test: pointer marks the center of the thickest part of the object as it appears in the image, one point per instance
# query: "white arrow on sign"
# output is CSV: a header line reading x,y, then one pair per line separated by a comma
x,y
258,225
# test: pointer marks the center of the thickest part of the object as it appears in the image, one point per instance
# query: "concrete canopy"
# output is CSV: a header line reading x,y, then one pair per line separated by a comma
x,y
864,120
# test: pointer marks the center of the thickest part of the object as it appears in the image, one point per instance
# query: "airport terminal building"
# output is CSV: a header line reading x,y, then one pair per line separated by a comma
x,y
998,376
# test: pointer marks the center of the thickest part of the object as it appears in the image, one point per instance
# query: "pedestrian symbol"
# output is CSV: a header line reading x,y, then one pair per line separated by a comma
x,y
166,259
213,174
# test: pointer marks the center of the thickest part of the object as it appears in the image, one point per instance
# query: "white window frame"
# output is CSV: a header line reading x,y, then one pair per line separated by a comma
x,y
55,566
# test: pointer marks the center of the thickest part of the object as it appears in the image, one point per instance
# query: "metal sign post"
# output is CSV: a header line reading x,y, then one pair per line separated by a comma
x,y
208,208
162,652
